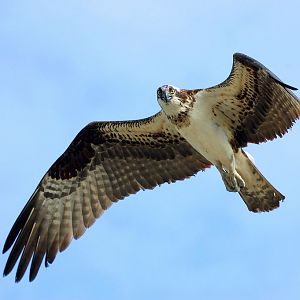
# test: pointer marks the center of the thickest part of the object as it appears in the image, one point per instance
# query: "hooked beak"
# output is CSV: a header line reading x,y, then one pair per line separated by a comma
x,y
163,94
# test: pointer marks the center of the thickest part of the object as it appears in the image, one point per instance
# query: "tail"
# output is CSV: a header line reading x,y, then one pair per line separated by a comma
x,y
258,193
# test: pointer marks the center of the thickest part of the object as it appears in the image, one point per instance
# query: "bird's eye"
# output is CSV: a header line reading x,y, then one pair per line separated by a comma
x,y
172,91
159,93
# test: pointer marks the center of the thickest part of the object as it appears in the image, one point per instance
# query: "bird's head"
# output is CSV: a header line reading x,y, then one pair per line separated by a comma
x,y
174,101
166,93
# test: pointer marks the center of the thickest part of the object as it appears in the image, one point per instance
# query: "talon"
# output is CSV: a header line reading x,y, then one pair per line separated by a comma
x,y
240,180
232,180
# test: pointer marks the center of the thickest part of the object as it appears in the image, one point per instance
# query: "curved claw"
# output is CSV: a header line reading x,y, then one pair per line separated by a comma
x,y
232,180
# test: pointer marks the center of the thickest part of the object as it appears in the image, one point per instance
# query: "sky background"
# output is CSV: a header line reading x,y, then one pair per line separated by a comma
x,y
66,63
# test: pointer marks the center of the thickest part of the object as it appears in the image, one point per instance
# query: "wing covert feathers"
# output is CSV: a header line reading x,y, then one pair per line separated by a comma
x,y
253,103
106,162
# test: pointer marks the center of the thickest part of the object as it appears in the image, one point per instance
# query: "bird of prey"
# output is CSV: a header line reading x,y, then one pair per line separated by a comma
x,y
195,129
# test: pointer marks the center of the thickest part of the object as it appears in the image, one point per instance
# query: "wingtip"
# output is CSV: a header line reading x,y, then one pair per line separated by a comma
x,y
239,55
5,247
254,63
19,277
287,86
6,270
32,277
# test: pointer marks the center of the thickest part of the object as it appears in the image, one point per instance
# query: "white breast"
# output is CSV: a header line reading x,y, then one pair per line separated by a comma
x,y
206,135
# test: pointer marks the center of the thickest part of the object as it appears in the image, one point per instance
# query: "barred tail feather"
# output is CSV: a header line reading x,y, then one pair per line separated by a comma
x,y
258,194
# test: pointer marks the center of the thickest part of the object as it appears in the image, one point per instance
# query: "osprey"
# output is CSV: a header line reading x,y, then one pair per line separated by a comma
x,y
107,161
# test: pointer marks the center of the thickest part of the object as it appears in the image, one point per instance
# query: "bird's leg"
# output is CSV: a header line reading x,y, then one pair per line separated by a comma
x,y
231,178
228,179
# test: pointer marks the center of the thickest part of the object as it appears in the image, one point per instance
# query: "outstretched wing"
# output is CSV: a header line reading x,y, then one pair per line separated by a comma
x,y
253,103
106,162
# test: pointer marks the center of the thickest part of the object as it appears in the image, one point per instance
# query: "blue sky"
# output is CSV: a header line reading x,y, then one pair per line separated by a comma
x,y
66,63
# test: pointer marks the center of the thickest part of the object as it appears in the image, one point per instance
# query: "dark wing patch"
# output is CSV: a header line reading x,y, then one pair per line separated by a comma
x,y
254,103
106,162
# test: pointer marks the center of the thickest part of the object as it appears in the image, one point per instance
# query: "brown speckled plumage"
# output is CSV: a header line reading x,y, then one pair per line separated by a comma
x,y
107,161
188,99
254,104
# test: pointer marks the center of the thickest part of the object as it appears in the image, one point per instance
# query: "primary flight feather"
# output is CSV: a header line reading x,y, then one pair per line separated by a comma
x,y
108,161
